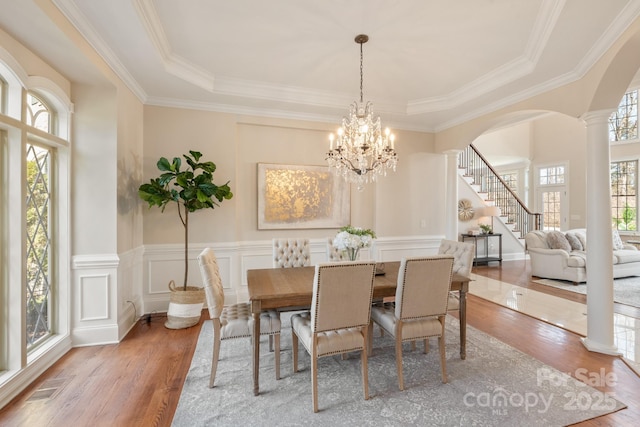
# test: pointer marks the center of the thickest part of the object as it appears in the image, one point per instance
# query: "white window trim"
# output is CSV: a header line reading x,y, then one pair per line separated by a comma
x,y
21,367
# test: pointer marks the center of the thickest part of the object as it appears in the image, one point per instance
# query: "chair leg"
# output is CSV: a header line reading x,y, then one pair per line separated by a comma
x,y
443,359
399,361
277,355
294,350
314,382
369,338
216,351
443,356
270,342
413,346
365,374
426,345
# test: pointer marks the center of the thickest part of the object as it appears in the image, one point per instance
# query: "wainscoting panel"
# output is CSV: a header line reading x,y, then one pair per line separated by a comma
x,y
95,314
94,297
160,262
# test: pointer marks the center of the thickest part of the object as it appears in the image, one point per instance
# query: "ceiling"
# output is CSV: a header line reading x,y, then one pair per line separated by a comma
x,y
428,65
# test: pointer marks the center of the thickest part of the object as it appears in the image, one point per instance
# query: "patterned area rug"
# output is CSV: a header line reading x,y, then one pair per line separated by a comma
x,y
625,290
496,385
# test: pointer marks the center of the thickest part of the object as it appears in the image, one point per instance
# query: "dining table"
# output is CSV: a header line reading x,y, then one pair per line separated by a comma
x,y
286,289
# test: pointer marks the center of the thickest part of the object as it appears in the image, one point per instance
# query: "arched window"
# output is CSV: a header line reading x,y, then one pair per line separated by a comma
x,y
38,114
34,214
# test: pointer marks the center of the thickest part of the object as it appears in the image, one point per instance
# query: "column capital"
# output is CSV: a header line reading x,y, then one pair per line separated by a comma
x,y
599,116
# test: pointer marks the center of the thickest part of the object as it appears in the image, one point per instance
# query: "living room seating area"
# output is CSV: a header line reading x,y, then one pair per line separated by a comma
x,y
562,255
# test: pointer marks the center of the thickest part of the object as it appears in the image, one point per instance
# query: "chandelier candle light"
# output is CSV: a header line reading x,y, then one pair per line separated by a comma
x,y
351,239
361,151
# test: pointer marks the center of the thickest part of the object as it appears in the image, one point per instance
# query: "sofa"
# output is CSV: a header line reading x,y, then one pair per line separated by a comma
x,y
562,255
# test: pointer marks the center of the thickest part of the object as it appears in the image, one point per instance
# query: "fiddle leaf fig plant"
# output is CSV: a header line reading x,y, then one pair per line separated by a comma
x,y
191,189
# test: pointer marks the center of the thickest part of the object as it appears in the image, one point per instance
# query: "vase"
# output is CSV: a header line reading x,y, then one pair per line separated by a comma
x,y
353,253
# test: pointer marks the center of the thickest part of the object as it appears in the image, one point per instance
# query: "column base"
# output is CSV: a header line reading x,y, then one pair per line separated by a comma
x,y
600,348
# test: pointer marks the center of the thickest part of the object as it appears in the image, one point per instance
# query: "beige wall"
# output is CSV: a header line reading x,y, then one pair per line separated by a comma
x,y
129,170
94,194
236,144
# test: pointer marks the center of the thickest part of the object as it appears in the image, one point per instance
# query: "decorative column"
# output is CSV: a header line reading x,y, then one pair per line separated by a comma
x,y
599,241
451,195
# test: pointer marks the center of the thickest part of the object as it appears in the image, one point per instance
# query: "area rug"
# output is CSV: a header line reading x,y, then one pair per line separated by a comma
x,y
496,385
625,290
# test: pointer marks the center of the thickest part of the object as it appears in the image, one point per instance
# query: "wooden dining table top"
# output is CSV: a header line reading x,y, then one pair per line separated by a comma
x,y
293,287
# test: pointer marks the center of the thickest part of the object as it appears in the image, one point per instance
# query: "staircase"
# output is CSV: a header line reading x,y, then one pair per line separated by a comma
x,y
487,183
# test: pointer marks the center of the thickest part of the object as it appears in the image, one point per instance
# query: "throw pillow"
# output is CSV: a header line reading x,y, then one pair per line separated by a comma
x,y
583,240
617,241
557,240
574,241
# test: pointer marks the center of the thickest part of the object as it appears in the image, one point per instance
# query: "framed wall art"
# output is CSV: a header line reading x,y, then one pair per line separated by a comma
x,y
298,196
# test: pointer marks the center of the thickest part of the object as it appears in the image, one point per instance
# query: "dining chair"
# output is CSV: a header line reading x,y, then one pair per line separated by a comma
x,y
463,254
232,321
291,253
339,316
420,307
333,254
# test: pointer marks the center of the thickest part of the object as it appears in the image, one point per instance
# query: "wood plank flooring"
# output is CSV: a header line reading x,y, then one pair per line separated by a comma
x,y
138,381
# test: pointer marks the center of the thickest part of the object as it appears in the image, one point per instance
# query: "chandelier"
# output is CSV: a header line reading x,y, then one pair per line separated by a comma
x,y
361,151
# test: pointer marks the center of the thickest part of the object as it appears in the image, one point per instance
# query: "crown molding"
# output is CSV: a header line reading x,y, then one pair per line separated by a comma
x,y
81,23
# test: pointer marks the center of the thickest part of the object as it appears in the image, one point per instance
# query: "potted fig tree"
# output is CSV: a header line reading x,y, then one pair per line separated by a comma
x,y
191,189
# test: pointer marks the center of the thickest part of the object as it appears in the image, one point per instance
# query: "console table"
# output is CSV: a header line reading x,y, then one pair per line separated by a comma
x,y
484,239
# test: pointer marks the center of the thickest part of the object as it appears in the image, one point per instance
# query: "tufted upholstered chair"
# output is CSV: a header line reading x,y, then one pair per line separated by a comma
x,y
463,254
232,321
420,307
291,253
333,254
337,322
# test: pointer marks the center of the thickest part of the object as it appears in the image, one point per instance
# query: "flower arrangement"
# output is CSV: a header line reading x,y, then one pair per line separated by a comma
x,y
486,228
351,239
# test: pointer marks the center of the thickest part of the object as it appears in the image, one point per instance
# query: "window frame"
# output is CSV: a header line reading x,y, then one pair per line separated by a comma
x,y
560,187
636,182
16,360
637,118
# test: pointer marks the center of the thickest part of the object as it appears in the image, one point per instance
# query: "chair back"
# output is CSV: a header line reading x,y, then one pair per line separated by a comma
x,y
423,286
333,254
342,294
463,254
212,282
291,253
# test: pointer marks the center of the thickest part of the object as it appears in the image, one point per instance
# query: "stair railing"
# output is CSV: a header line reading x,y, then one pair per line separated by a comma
x,y
490,182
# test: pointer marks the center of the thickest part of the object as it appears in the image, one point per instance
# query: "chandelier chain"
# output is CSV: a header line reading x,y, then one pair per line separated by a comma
x,y
361,74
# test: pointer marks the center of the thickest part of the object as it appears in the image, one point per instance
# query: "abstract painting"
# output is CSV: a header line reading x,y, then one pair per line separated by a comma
x,y
296,196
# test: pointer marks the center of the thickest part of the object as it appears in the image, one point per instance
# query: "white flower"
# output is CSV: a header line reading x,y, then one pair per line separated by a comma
x,y
353,238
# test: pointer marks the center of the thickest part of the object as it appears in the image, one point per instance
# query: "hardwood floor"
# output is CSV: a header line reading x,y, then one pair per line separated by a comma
x,y
138,381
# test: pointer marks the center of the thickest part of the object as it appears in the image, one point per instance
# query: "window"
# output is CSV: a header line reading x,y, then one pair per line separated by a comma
x,y
552,175
511,179
34,283
551,196
39,244
38,114
624,182
623,123
551,202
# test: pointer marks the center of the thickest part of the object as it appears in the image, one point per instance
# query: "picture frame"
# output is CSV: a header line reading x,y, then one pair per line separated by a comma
x,y
301,196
